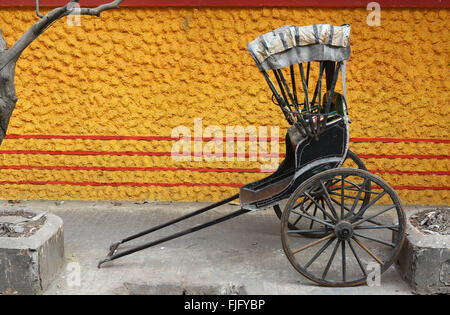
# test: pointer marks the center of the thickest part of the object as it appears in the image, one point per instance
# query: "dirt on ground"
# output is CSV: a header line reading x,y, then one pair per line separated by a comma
x,y
23,228
433,221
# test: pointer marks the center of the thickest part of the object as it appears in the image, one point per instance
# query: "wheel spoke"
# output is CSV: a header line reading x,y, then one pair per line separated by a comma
x,y
339,204
378,226
314,214
372,216
319,252
313,243
351,189
353,185
357,258
374,239
367,250
314,218
342,200
355,203
364,209
328,201
331,260
296,221
323,206
300,204
343,262
320,207
307,231
304,210
329,185
346,196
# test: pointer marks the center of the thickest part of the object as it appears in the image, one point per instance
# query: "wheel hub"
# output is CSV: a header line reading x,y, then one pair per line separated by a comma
x,y
343,230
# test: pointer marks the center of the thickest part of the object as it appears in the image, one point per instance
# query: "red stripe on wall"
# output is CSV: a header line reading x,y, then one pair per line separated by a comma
x,y
89,137
420,188
366,156
247,138
395,140
141,138
191,169
411,172
107,168
140,153
403,156
114,184
238,3
135,184
83,152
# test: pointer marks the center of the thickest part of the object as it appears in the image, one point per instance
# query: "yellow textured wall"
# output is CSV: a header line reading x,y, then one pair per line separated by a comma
x,y
141,72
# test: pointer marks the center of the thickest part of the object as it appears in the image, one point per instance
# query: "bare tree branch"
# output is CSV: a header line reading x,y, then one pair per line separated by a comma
x,y
8,57
30,35
96,11
39,27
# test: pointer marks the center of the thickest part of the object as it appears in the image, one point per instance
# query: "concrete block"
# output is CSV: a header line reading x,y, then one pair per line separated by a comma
x,y
29,264
424,261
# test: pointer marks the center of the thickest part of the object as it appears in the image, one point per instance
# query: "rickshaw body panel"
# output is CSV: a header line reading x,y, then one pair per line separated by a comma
x,y
311,156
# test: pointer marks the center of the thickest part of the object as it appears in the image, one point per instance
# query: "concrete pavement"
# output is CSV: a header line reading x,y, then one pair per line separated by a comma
x,y
243,255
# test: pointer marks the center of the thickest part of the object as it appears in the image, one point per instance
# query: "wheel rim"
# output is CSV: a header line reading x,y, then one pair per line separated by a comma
x,y
359,238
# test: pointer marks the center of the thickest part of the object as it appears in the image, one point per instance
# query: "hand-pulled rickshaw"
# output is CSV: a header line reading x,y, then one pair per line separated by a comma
x,y
350,216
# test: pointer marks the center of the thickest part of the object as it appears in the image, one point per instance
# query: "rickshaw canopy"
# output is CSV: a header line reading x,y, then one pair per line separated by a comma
x,y
289,45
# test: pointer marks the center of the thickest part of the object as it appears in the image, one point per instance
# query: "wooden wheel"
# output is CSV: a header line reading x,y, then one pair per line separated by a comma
x,y
356,235
351,161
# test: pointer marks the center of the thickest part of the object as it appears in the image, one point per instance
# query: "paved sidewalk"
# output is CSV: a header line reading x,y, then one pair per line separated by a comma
x,y
241,255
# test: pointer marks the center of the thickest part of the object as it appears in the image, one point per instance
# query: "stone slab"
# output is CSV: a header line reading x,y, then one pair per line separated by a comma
x,y
424,261
29,264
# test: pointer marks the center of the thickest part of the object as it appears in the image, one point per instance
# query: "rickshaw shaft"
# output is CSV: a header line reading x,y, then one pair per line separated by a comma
x,y
173,236
113,248
197,212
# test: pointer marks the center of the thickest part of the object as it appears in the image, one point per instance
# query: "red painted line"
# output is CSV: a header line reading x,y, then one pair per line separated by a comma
x,y
411,172
135,184
115,184
398,156
142,138
403,156
420,188
150,169
247,138
395,140
191,169
365,156
376,187
83,152
139,153
90,137
224,139
268,155
238,3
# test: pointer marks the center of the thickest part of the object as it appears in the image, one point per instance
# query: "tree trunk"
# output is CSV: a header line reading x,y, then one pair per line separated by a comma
x,y
8,98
